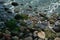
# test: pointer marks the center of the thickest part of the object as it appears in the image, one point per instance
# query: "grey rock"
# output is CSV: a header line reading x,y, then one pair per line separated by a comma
x,y
28,38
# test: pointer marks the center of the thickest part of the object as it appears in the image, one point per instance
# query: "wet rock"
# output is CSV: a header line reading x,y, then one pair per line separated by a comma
x,y
28,9
2,1
30,6
14,4
2,25
6,9
17,17
21,4
17,9
58,18
4,15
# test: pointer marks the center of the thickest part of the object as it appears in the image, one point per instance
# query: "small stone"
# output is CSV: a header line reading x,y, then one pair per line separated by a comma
x,y
21,4
30,6
6,9
14,4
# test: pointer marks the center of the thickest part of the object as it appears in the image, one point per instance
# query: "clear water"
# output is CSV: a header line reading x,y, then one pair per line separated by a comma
x,y
50,5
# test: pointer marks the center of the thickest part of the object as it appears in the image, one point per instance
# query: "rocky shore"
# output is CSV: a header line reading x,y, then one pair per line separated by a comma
x,y
28,24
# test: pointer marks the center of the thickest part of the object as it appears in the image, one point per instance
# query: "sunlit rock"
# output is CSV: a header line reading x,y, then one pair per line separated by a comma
x,y
41,34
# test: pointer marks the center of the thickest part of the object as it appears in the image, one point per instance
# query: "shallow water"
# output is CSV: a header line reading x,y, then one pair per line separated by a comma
x,y
42,5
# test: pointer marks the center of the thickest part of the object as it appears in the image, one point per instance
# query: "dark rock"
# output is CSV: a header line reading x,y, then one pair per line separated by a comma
x,y
21,4
1,35
30,6
6,9
14,4
57,28
58,18
17,17
2,1
9,12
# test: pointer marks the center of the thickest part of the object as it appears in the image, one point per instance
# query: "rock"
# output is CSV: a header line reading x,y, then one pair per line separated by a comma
x,y
35,33
4,15
42,25
7,36
56,28
2,25
6,9
15,38
1,35
28,38
17,9
2,1
14,4
30,6
50,39
21,4
57,38
7,32
57,23
41,34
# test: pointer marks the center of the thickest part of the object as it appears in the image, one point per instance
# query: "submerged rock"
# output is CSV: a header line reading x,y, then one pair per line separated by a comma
x,y
5,15
14,4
